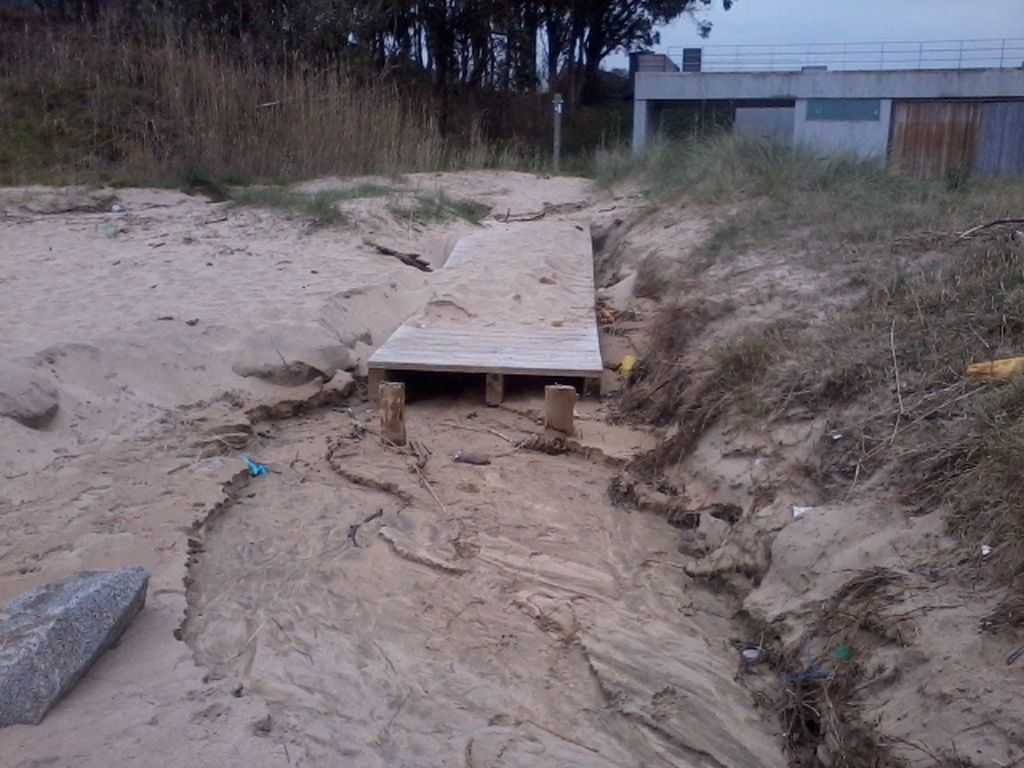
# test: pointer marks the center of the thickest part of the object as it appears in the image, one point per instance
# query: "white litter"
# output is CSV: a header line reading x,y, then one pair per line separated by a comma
x,y
986,550
799,512
752,655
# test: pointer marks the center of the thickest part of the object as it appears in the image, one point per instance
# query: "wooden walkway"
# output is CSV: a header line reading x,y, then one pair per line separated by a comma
x,y
513,299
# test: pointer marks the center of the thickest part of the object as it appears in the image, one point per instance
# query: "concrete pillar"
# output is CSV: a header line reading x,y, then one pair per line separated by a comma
x,y
644,113
799,122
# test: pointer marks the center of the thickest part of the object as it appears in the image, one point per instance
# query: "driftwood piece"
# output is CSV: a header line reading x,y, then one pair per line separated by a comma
x,y
518,217
409,259
997,223
467,457
421,452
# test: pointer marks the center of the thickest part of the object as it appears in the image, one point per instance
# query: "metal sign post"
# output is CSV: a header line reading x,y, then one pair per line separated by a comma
x,y
559,106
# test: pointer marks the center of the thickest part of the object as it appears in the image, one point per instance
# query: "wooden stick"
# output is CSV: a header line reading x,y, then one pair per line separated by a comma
x,y
485,430
896,369
409,259
429,487
998,222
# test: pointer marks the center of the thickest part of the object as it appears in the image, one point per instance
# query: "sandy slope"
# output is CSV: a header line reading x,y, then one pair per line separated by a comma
x,y
931,681
516,619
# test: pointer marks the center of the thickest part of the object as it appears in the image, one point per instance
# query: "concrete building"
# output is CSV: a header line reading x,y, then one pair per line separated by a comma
x,y
925,122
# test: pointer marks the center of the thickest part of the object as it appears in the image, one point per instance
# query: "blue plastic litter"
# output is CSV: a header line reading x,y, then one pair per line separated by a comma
x,y
255,468
812,670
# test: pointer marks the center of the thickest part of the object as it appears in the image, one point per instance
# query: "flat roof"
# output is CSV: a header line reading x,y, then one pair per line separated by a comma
x,y
824,84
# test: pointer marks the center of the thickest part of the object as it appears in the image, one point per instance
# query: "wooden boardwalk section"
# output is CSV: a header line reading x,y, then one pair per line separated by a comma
x,y
512,299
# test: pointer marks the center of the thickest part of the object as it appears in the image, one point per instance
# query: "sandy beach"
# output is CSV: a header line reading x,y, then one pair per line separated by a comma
x,y
338,608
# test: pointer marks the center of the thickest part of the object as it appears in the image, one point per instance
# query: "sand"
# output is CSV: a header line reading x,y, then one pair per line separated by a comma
x,y
501,615
933,681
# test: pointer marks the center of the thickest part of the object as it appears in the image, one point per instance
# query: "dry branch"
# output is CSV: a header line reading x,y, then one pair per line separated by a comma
x,y
409,259
997,223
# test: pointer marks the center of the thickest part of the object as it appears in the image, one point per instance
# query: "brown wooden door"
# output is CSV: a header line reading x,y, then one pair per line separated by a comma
x,y
934,139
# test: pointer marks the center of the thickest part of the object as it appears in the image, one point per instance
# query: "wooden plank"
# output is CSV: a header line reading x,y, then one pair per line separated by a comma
x,y
514,299
492,350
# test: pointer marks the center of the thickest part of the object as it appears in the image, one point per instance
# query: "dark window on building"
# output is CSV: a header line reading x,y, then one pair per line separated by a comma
x,y
844,110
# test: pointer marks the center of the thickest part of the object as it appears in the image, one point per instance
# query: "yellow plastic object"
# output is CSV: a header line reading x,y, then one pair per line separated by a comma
x,y
996,370
628,364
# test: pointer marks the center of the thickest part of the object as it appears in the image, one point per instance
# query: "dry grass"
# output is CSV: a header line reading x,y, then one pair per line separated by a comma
x,y
79,106
818,704
946,444
889,367
883,367
694,399
827,210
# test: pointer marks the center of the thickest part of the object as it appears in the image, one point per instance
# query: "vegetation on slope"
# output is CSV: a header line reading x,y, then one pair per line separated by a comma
x,y
928,302
917,296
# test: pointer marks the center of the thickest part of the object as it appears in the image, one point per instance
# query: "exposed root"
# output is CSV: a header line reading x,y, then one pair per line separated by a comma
x,y
663,499
335,454
559,446
418,557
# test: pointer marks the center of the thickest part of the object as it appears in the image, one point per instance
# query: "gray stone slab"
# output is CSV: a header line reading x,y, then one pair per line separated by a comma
x,y
27,396
49,637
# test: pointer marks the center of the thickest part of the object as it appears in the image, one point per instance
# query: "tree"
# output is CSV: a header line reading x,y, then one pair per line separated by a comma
x,y
581,34
492,44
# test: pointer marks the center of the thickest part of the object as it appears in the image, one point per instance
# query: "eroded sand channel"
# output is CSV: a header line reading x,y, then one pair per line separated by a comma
x,y
527,622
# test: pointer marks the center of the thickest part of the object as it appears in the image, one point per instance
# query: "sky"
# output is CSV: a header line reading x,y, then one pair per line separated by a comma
x,y
825,21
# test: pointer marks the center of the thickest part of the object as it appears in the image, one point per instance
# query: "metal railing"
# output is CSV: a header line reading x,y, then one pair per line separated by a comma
x,y
936,54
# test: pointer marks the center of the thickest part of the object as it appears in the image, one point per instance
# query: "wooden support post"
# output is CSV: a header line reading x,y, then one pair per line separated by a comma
x,y
392,412
495,389
559,402
374,378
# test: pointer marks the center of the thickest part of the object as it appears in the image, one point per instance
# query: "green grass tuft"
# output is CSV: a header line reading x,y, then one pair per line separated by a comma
x,y
437,207
321,207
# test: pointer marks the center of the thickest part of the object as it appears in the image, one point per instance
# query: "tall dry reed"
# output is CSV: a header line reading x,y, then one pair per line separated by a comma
x,y
90,103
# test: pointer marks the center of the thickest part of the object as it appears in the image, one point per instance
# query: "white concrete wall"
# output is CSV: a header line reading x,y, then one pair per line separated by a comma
x,y
864,138
768,123
822,84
